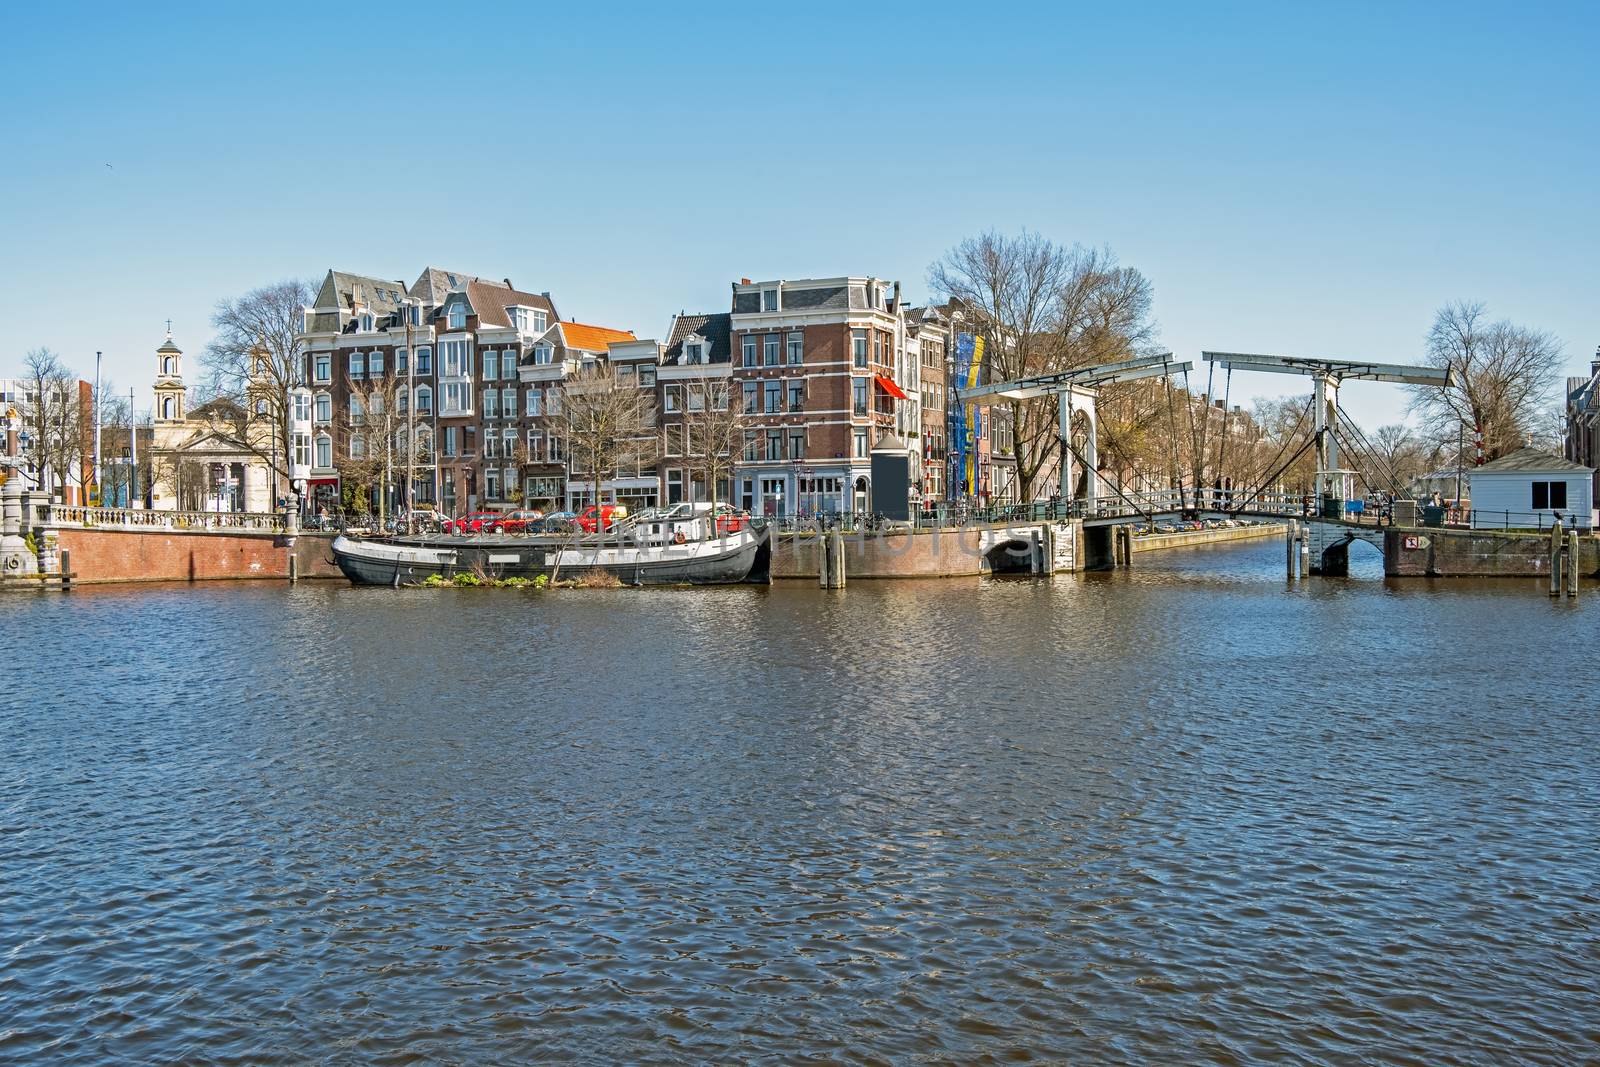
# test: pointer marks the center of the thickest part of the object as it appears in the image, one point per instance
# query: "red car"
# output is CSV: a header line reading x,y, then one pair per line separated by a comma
x,y
477,522
519,521
610,514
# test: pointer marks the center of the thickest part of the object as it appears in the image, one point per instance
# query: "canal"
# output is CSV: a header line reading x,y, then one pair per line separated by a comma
x,y
1181,814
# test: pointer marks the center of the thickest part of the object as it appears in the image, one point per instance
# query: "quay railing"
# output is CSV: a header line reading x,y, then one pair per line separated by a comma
x,y
146,518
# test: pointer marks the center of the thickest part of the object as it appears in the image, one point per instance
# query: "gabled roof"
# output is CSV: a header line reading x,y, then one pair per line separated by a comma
x,y
716,328
434,284
340,294
1532,461
582,337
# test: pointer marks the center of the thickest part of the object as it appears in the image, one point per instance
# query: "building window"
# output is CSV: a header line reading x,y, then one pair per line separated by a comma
x,y
647,376
719,396
535,446
752,397
375,364
358,446
401,402
534,401
858,349
672,398
324,407
749,348
1549,495
302,450
424,360
166,407
752,446
858,390
696,396
797,444
449,443
400,360
558,449
358,365
491,403
543,355
491,481
491,364
424,399
797,349
769,351
694,353
469,440
858,441
774,444
797,394
769,300
772,397
508,402
324,451
877,347
491,444
508,440
674,486
357,410
322,368
458,316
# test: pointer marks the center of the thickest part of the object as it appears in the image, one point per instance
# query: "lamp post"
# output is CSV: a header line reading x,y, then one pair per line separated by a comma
x,y
96,428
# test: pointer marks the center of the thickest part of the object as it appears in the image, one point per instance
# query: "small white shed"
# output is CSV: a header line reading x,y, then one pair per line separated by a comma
x,y
1530,488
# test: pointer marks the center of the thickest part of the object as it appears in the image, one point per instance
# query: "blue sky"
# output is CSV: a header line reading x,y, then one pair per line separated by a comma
x,y
1303,179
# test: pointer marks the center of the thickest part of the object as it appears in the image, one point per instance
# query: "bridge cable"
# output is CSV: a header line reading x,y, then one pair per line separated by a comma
x,y
1222,446
1172,430
1284,448
1302,451
1149,516
1195,458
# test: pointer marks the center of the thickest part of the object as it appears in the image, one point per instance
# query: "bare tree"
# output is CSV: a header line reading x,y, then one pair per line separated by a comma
x,y
715,434
256,357
1503,377
375,452
610,425
1043,307
54,421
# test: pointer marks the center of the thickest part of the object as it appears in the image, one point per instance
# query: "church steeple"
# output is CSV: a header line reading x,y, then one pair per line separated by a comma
x,y
170,391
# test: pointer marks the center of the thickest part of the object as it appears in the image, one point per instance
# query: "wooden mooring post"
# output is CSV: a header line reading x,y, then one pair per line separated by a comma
x,y
1572,564
1556,545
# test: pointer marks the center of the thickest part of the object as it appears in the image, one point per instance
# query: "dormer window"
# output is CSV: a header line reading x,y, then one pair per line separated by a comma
x,y
694,352
541,322
366,322
458,316
769,300
542,354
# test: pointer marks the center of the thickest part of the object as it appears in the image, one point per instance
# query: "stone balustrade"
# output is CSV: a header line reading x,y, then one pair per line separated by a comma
x,y
144,519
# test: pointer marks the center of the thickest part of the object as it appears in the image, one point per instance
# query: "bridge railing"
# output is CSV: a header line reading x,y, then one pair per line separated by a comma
x,y
144,519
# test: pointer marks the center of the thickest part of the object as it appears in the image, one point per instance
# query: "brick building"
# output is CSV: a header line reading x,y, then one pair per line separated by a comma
x,y
813,365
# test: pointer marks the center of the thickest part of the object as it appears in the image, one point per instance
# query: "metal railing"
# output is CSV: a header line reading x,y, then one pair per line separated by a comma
x,y
144,518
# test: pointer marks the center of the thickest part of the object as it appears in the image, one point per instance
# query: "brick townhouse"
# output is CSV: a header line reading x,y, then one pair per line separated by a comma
x,y
813,365
477,364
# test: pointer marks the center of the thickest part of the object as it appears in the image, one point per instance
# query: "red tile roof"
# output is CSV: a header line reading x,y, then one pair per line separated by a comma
x,y
586,338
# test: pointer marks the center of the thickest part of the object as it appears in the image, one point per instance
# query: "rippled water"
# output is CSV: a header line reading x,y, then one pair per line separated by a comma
x,y
1183,814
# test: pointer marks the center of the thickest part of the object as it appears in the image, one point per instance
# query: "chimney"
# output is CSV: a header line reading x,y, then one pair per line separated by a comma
x,y
508,283
744,281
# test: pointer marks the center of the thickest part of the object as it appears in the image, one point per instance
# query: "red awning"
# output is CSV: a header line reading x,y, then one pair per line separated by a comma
x,y
322,481
888,386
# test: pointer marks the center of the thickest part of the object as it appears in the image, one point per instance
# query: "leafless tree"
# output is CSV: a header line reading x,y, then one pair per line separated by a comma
x,y
54,421
374,451
1504,376
610,425
256,357
1042,307
715,434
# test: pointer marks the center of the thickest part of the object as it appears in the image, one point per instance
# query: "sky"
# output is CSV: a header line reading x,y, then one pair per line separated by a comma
x,y
1303,179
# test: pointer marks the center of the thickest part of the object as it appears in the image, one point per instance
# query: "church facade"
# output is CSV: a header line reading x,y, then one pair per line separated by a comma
x,y
212,457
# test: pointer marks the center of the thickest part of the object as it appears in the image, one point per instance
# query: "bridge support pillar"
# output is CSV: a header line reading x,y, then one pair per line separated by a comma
x,y
15,559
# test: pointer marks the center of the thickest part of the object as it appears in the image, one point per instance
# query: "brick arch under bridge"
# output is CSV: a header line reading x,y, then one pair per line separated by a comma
x,y
1330,545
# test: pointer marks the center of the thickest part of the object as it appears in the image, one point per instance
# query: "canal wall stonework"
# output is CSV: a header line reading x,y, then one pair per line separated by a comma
x,y
1185,538
1441,553
927,553
102,555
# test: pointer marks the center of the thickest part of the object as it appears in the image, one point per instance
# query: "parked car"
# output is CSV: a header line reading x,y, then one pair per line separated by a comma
x,y
608,516
475,523
521,521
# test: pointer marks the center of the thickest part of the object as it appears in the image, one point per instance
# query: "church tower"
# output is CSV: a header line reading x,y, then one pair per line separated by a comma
x,y
170,392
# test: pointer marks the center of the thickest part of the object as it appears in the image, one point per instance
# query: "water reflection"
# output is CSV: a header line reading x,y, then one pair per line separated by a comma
x,y
1186,812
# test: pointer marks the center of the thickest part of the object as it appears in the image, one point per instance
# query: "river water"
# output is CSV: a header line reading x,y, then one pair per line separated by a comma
x,y
1182,814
